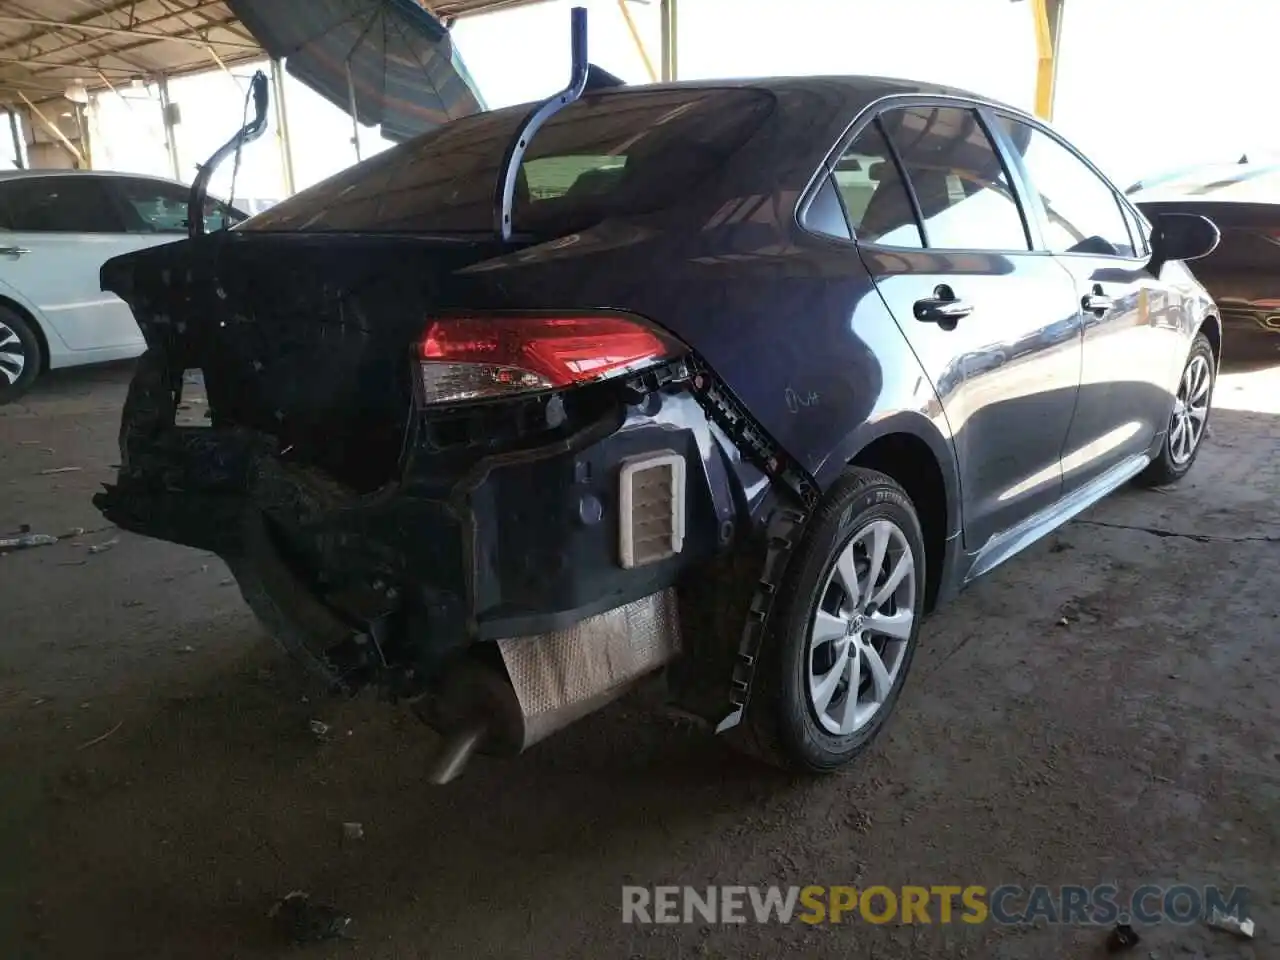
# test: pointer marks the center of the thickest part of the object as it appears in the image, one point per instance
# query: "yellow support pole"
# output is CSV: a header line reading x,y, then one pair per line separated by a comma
x,y
1048,22
668,11
639,42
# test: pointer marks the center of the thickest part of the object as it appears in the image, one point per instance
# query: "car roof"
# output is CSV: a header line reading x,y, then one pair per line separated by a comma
x,y
1219,183
58,172
864,87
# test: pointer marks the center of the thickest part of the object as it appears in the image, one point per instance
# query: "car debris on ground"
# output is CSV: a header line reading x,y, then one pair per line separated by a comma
x,y
320,729
351,830
55,470
1229,923
1122,937
25,541
104,547
301,920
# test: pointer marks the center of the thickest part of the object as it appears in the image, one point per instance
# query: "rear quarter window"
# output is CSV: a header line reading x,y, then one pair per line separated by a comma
x,y
613,154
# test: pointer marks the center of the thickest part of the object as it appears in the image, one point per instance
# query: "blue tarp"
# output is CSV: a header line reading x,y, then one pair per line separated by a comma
x,y
406,75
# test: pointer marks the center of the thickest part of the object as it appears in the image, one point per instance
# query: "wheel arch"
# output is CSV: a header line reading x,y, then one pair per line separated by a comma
x,y
36,327
909,448
1211,327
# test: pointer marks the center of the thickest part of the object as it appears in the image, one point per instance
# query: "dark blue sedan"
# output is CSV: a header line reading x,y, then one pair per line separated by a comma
x,y
742,380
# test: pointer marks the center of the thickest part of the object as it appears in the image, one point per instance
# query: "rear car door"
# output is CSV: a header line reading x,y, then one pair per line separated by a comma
x,y
57,231
1131,329
994,324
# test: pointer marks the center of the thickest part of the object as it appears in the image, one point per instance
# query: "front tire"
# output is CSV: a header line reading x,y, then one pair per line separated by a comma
x,y
20,356
1189,420
843,635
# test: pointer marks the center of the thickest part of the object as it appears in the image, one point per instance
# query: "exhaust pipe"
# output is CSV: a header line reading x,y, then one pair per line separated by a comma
x,y
456,753
551,680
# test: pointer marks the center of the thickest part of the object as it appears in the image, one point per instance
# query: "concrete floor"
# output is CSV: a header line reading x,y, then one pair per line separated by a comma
x,y
1137,743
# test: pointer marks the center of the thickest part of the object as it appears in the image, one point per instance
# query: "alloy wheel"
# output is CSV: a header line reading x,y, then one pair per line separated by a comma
x,y
13,355
858,640
1190,410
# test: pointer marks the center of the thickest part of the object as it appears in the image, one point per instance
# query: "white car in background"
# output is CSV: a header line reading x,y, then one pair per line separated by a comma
x,y
57,228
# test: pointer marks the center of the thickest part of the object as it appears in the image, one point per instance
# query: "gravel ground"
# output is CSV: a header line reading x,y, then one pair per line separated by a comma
x,y
1103,709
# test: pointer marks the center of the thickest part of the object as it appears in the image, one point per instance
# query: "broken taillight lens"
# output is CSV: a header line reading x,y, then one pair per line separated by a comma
x,y
490,357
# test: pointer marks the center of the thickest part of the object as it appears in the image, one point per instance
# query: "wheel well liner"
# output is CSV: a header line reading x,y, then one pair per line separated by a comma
x,y
908,459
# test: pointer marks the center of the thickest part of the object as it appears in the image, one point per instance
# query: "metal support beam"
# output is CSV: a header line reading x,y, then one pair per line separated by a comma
x,y
89,28
669,12
170,133
638,41
355,111
19,142
282,125
58,135
1048,25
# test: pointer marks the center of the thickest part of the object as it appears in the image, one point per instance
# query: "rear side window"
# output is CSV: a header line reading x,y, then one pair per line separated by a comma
x,y
874,195
154,206
57,205
1082,213
959,179
613,154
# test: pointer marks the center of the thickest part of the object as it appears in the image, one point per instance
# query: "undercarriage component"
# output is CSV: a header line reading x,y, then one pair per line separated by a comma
x,y
562,676
551,680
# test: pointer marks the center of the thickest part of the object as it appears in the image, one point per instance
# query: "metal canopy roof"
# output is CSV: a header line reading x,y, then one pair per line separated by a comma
x,y
47,44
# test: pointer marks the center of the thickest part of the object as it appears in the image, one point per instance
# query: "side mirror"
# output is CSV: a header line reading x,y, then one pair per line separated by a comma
x,y
1182,236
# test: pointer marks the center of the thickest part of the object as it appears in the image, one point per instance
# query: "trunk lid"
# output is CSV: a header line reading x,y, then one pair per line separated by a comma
x,y
302,337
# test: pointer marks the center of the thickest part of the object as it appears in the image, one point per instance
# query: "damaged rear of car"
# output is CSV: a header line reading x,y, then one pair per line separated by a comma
x,y
491,477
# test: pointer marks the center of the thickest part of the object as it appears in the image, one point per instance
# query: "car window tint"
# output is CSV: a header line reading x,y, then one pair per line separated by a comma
x,y
58,205
154,206
874,195
825,213
958,177
1139,229
613,154
1082,213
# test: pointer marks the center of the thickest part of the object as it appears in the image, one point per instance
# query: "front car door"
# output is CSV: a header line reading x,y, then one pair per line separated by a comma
x,y
1131,319
55,234
994,324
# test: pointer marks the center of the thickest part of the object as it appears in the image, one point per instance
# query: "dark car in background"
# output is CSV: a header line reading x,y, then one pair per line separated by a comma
x,y
765,371
1243,273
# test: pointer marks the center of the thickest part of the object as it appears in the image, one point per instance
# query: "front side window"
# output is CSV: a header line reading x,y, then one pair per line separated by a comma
x,y
72,204
958,177
874,195
1082,213
154,206
1139,230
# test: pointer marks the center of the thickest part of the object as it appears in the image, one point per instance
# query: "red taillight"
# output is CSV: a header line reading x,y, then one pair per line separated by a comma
x,y
487,357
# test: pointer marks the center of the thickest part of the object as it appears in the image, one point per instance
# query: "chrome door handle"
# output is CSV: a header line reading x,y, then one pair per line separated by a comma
x,y
1096,301
14,251
944,308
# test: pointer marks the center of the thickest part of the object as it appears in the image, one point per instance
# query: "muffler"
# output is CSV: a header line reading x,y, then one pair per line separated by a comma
x,y
551,680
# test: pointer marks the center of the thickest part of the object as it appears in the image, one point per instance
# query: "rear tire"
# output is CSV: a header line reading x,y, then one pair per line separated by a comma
x,y
20,356
1189,420
799,715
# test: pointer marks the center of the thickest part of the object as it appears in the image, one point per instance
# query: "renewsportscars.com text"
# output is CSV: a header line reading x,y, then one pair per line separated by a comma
x,y
1008,904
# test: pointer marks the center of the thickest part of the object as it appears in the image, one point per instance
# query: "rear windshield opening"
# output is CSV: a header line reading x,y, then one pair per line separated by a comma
x,y
613,154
